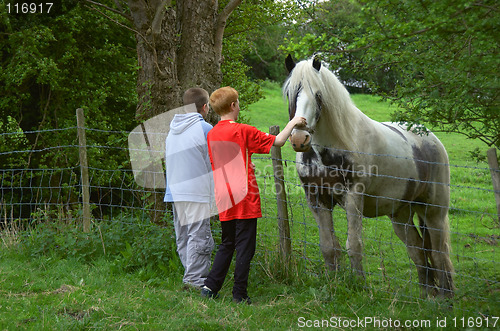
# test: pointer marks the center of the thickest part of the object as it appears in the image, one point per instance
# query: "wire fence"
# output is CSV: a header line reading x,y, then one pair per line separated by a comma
x,y
40,179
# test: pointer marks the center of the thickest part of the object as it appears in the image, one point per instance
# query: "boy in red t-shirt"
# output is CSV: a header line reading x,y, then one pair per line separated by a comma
x,y
230,147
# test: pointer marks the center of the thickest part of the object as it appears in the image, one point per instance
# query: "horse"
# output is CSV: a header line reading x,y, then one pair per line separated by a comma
x,y
369,169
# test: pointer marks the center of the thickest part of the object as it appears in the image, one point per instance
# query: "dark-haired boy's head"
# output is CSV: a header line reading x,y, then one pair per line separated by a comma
x,y
196,95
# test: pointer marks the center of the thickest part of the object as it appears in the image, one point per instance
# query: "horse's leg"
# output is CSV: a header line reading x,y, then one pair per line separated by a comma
x,y
402,223
436,227
328,241
354,244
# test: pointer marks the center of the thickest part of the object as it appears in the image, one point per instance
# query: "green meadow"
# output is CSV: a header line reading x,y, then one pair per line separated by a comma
x,y
126,275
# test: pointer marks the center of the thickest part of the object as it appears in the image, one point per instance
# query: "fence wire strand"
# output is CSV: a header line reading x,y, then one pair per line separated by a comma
x,y
38,181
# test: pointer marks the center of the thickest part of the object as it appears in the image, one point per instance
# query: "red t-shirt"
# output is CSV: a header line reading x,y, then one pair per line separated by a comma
x,y
230,146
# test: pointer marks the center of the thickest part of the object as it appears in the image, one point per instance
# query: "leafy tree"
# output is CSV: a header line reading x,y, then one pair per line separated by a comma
x,y
328,30
243,29
53,63
178,43
83,54
264,54
437,59
447,55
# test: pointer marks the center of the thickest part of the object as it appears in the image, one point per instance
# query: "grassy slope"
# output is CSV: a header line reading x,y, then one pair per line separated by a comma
x,y
48,293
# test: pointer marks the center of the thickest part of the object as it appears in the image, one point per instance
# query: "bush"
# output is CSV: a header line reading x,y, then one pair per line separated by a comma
x,y
129,243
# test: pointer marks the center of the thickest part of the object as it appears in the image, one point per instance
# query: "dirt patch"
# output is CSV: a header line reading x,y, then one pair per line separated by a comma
x,y
62,289
490,240
76,314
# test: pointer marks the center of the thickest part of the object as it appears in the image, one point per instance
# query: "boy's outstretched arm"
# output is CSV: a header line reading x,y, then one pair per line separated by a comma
x,y
282,137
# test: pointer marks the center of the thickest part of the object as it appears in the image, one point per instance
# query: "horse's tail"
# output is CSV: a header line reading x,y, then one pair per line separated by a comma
x,y
443,268
427,247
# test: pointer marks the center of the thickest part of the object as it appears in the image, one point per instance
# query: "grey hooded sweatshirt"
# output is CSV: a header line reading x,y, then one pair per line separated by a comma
x,y
189,173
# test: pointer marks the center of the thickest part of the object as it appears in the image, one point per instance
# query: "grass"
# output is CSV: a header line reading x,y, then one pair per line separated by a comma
x,y
59,289
59,294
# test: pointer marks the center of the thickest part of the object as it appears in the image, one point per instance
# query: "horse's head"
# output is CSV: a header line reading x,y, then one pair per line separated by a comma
x,y
302,101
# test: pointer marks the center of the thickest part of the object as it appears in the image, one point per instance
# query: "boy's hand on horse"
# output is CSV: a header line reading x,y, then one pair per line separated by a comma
x,y
282,137
299,121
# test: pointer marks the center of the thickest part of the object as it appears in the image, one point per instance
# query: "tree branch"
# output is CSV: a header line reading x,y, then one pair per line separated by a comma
x,y
146,41
115,21
159,14
138,10
221,24
119,5
230,7
110,9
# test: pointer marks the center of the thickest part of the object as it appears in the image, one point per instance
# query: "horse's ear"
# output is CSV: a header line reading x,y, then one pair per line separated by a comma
x,y
316,63
289,63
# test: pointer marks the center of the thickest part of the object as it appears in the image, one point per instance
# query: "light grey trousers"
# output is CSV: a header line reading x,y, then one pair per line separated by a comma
x,y
194,241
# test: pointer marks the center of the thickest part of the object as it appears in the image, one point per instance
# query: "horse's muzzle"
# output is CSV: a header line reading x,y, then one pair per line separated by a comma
x,y
301,140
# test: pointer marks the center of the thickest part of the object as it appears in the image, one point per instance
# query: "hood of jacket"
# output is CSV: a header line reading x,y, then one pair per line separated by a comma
x,y
182,122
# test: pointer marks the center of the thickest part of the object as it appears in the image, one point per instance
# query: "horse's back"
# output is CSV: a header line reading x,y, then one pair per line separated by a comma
x,y
405,167
421,159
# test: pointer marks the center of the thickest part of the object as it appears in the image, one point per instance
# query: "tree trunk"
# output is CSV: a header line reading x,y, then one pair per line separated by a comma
x,y
179,45
495,177
176,54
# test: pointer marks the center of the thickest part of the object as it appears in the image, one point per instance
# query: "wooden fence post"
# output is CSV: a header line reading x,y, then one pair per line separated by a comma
x,y
495,176
279,184
84,168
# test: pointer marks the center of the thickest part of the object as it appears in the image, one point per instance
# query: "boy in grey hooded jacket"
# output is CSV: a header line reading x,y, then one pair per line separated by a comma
x,y
190,187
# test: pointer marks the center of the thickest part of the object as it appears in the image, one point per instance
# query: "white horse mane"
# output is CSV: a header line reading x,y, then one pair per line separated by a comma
x,y
338,109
